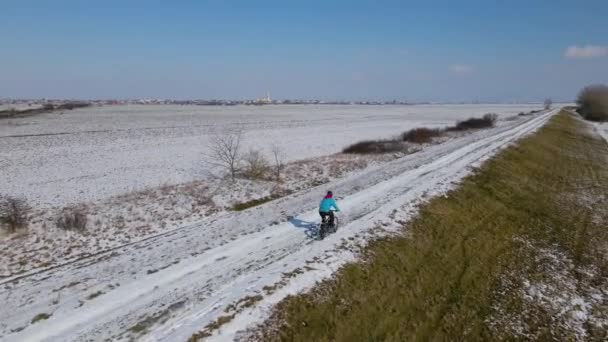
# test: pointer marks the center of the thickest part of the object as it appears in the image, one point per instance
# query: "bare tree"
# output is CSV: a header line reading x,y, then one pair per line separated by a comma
x,y
278,155
13,213
226,151
548,103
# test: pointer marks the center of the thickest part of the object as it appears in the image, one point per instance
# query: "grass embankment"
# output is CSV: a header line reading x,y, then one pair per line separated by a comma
x,y
534,215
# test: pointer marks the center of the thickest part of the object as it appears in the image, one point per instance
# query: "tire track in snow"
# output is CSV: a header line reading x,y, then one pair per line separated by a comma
x,y
209,279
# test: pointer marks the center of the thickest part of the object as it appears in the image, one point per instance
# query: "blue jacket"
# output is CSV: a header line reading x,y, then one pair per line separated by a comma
x,y
327,204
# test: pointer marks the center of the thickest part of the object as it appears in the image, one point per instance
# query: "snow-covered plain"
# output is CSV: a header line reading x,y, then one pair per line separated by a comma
x,y
174,284
90,154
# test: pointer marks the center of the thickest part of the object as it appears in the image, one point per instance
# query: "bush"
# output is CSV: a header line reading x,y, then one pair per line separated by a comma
x,y
13,213
593,103
72,218
73,105
256,165
421,135
487,121
374,147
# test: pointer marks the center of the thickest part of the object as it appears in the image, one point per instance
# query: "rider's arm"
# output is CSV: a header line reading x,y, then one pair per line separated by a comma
x,y
335,205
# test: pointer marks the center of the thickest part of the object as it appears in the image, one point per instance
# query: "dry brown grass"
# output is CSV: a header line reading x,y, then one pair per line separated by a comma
x,y
257,167
73,218
14,213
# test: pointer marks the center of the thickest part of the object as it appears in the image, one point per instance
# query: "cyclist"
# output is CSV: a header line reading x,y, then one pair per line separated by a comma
x,y
325,208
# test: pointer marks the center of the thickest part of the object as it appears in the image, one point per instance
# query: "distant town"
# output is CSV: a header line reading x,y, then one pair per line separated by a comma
x,y
212,102
266,100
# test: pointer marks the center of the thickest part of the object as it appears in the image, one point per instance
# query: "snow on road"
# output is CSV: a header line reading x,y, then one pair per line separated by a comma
x,y
602,129
172,285
97,152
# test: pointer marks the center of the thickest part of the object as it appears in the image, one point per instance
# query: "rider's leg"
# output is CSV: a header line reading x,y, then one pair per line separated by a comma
x,y
331,218
323,215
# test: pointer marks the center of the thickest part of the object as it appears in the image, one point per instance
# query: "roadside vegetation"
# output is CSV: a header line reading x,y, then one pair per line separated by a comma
x,y
14,213
46,108
593,103
518,252
375,147
255,202
421,135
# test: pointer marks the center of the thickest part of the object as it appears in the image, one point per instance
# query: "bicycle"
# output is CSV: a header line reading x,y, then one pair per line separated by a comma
x,y
325,228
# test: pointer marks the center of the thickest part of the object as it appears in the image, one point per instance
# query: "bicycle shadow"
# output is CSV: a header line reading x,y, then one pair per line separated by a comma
x,y
310,228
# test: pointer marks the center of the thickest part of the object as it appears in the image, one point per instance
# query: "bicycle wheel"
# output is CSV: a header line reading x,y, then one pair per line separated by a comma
x,y
336,222
321,234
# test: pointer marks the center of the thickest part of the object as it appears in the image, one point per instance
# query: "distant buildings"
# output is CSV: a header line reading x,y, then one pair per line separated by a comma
x,y
266,100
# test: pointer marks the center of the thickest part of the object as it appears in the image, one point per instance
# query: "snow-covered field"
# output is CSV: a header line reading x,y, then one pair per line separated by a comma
x,y
90,154
231,264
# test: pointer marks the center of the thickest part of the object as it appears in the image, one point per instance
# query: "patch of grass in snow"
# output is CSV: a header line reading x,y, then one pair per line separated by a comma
x,y
231,311
255,202
207,331
94,295
162,316
72,284
243,303
466,266
41,317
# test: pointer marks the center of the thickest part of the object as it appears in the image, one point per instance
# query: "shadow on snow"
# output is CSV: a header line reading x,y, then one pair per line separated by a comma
x,y
310,228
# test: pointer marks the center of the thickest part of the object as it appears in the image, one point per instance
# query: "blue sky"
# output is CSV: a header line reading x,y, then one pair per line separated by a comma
x,y
407,50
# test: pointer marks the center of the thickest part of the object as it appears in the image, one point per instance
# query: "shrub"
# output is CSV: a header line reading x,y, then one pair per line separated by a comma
x,y
487,121
421,135
593,103
13,213
374,147
256,165
72,218
73,105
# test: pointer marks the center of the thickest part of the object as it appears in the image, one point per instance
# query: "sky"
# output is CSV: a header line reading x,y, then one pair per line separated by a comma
x,y
445,51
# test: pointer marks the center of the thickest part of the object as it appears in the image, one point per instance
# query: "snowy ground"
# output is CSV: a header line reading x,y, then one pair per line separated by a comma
x,y
91,154
602,129
237,264
128,218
